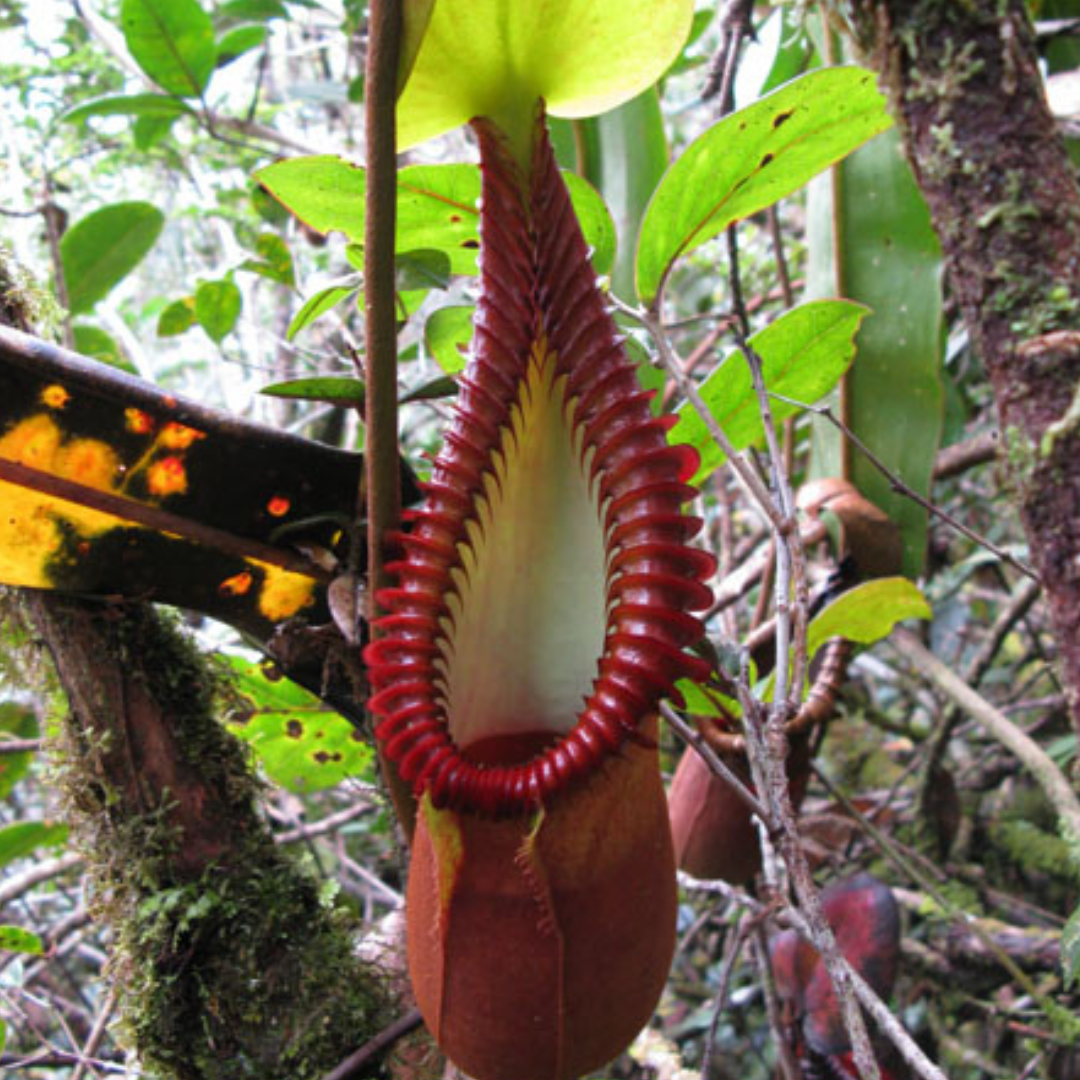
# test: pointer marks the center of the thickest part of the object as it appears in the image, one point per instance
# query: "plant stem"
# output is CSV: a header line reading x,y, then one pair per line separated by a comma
x,y
382,497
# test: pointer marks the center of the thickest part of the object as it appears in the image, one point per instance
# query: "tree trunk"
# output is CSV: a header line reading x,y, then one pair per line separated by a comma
x,y
230,963
964,85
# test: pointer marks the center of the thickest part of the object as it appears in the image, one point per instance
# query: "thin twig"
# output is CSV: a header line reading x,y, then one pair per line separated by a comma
x,y
736,939
901,488
97,1033
43,871
376,1047
19,746
1050,778
698,743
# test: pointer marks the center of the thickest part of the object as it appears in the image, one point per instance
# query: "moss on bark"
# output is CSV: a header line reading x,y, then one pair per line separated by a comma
x,y
964,85
230,962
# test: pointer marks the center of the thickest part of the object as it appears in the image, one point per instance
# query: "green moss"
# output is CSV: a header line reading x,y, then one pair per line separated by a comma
x,y
243,974
241,971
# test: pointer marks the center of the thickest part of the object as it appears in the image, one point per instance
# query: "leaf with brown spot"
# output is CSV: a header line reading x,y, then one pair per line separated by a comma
x,y
301,744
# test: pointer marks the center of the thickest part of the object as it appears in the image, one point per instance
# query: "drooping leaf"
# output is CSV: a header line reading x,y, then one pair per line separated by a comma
x,y
150,130
252,10
422,269
100,345
803,354
447,334
16,722
891,261
217,307
868,612
436,206
751,159
318,305
336,389
101,249
172,41
275,261
302,745
497,58
17,939
153,105
241,39
112,487
24,837
441,387
177,318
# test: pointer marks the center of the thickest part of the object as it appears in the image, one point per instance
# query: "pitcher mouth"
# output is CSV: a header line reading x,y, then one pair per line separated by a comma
x,y
541,606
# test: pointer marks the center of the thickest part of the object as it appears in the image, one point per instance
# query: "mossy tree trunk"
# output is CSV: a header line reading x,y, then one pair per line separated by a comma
x,y
230,963
964,85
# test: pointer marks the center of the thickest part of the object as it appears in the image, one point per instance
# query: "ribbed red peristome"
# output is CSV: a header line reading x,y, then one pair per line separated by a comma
x,y
537,282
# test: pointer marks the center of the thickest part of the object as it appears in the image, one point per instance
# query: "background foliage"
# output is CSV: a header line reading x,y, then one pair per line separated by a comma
x,y
151,151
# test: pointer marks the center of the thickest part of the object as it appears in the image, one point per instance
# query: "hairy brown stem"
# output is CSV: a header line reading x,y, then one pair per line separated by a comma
x,y
382,497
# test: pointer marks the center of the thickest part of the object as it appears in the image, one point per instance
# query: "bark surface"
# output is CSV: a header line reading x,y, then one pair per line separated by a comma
x,y
964,85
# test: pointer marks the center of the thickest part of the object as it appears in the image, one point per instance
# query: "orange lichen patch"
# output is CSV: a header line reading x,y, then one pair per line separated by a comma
x,y
237,585
33,442
278,506
138,422
55,396
284,593
176,436
31,536
88,461
167,477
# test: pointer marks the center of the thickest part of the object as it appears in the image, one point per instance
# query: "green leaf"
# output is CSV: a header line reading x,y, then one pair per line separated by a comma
x,y
337,389
275,261
595,220
425,269
153,105
793,48
496,58
447,334
16,939
441,387
867,613
436,206
319,304
177,318
324,192
626,153
415,16
252,10
3,1036
217,307
150,130
1070,950
751,159
101,249
24,837
172,41
16,722
891,261
803,355
238,41
95,342
302,745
